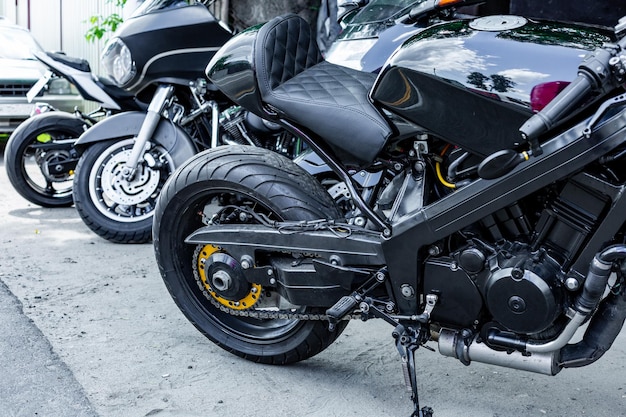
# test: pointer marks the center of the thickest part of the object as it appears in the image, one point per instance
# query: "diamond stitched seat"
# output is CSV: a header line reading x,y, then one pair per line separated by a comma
x,y
328,99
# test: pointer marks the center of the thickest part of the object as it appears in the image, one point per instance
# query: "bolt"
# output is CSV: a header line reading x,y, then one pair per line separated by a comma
x,y
572,284
434,250
517,273
380,277
407,291
272,281
246,262
335,260
270,272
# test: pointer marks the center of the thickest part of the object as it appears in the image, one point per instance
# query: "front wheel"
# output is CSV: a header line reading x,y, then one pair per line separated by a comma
x,y
40,158
115,207
238,184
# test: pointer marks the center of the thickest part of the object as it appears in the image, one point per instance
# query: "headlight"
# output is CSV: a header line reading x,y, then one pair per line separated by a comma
x,y
118,61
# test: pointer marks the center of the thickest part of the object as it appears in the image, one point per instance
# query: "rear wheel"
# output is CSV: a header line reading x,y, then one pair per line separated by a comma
x,y
206,283
40,158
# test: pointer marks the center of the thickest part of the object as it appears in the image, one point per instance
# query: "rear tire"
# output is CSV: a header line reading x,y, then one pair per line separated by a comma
x,y
27,159
254,178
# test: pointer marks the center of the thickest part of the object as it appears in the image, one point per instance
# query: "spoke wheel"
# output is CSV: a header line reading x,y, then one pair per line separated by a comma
x,y
40,160
118,209
205,282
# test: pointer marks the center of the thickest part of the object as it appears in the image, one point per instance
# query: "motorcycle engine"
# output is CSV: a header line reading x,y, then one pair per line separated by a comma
x,y
521,290
515,283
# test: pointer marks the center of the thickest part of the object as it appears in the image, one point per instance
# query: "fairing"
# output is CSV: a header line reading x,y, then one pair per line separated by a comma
x,y
171,45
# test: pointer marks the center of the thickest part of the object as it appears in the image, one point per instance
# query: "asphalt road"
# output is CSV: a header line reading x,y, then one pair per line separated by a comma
x,y
87,328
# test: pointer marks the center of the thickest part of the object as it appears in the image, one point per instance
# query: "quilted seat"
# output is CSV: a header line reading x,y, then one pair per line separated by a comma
x,y
330,100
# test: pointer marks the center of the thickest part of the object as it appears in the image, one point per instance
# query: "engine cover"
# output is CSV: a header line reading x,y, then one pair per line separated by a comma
x,y
523,294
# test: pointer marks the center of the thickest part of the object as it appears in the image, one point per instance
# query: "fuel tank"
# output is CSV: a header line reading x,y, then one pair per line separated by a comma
x,y
470,82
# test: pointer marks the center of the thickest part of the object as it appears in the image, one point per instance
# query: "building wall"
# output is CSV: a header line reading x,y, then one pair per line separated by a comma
x,y
60,25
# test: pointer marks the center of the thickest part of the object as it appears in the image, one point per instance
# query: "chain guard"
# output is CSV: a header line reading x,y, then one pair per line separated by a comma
x,y
252,312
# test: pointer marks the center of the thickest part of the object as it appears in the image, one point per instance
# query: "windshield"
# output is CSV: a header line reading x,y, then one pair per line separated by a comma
x,y
150,6
379,10
17,43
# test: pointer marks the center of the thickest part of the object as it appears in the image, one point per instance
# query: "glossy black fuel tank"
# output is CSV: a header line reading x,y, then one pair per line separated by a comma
x,y
470,82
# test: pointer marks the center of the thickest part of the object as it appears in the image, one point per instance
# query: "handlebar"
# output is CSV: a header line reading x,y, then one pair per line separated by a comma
x,y
594,74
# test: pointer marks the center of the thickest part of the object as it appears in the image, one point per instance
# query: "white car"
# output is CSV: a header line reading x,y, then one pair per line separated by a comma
x,y
19,71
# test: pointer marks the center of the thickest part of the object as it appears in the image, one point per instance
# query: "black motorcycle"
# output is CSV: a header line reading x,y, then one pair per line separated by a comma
x,y
159,55
40,157
495,226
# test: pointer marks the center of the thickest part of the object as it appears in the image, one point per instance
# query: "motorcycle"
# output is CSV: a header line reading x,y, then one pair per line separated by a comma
x,y
47,138
495,225
159,56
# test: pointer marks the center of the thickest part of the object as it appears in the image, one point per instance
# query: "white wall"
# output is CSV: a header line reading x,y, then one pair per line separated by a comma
x,y
60,25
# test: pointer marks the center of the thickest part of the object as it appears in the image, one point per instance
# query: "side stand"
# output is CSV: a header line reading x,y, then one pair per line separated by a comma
x,y
407,342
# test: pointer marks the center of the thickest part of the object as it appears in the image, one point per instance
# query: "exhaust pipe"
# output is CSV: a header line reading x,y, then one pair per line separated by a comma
x,y
603,328
451,343
549,357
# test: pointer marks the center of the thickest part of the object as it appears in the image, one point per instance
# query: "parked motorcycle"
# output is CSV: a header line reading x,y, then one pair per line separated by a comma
x,y
159,55
40,158
494,227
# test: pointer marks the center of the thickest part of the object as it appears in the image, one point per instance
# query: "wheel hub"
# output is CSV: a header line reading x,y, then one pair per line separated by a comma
x,y
222,277
124,192
53,166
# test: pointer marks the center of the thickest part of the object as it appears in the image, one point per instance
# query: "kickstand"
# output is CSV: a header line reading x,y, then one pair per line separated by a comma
x,y
407,342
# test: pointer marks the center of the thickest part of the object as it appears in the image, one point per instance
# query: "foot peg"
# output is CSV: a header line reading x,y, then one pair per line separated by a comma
x,y
342,308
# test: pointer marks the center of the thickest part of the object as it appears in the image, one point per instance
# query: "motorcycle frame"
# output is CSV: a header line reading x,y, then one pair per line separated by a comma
x,y
398,245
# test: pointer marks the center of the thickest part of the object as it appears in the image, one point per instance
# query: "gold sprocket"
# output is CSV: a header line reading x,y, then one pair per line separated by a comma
x,y
201,255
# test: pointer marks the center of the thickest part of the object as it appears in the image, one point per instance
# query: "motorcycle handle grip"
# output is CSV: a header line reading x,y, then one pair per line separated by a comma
x,y
593,74
543,121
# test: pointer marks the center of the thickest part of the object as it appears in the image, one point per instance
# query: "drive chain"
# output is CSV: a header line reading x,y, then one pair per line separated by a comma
x,y
257,314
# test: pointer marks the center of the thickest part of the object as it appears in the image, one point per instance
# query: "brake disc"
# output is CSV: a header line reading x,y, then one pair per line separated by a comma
x,y
124,192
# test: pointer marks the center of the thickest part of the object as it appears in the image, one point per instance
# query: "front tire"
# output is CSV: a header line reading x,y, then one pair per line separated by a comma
x,y
39,158
259,180
116,209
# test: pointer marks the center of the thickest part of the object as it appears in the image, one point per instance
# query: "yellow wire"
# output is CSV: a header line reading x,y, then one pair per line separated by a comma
x,y
443,181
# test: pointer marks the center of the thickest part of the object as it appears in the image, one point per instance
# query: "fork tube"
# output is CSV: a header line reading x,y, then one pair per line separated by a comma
x,y
215,121
153,115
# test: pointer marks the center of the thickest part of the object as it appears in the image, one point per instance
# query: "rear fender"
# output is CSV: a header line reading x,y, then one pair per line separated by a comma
x,y
125,125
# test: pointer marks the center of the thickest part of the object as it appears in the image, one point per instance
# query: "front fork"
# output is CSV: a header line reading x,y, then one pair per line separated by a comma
x,y
161,97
